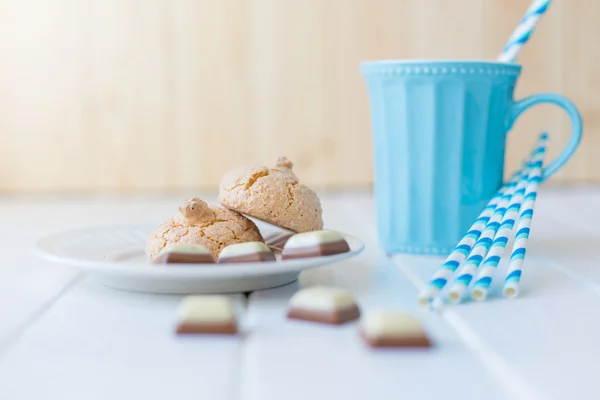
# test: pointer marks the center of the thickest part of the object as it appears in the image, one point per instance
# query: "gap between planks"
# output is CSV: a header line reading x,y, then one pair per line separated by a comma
x,y
15,335
482,351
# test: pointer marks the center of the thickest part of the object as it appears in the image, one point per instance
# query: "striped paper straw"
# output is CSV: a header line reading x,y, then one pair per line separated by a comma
x,y
523,31
463,248
513,277
484,278
481,248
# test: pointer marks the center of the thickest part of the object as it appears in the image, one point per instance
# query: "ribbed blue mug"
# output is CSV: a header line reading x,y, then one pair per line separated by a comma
x,y
439,134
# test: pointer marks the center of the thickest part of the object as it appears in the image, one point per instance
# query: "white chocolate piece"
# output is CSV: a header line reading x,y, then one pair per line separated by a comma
x,y
314,238
242,249
187,248
322,299
206,309
385,324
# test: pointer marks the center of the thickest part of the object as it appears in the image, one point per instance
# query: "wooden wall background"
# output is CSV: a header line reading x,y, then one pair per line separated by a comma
x,y
162,95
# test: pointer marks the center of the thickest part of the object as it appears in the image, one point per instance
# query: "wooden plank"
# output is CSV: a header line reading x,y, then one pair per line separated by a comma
x,y
29,284
286,92
164,96
543,71
582,84
331,361
566,238
126,94
448,30
68,336
41,112
208,88
531,333
520,340
27,288
100,343
348,40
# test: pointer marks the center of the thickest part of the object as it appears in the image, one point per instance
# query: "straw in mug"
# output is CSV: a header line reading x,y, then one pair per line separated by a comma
x,y
523,32
513,277
481,248
485,276
463,248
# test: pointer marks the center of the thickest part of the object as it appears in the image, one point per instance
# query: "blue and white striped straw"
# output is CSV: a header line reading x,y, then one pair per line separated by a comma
x,y
485,276
481,248
523,32
463,248
513,276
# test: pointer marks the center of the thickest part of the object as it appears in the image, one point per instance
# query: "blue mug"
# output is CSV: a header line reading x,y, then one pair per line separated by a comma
x,y
439,134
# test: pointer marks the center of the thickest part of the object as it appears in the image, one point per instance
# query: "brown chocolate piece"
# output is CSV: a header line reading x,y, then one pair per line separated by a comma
x,y
183,258
409,341
336,317
323,249
223,328
262,256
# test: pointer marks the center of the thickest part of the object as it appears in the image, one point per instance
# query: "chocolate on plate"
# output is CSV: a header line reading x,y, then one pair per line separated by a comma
x,y
277,240
392,329
246,253
206,315
315,244
322,304
198,222
184,253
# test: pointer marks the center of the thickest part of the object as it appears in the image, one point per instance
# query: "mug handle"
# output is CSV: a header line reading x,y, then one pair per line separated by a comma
x,y
576,126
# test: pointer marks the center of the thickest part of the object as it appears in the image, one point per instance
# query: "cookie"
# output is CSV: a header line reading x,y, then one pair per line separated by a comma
x,y
198,223
273,195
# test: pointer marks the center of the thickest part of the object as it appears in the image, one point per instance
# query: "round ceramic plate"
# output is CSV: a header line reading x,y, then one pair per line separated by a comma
x,y
115,257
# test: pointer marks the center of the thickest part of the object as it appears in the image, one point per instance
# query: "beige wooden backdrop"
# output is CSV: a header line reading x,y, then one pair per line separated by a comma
x,y
162,95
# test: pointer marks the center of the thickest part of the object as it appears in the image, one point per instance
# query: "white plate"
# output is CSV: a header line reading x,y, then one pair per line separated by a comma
x,y
115,257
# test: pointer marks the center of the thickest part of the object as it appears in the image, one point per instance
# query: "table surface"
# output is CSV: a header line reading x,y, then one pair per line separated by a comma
x,y
64,336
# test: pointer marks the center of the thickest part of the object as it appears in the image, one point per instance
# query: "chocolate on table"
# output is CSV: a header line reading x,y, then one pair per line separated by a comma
x,y
184,253
206,315
246,252
322,304
315,244
392,329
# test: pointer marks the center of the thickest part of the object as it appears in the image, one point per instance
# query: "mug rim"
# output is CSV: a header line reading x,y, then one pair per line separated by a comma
x,y
416,67
410,61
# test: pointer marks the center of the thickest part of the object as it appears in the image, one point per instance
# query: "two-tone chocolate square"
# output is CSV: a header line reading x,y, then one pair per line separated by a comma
x,y
392,329
246,253
277,240
314,244
322,304
184,253
206,315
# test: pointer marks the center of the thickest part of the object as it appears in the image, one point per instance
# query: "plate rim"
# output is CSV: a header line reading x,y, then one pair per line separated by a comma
x,y
208,270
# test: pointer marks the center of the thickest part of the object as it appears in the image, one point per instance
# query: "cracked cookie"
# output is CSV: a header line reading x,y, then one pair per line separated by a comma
x,y
198,223
273,195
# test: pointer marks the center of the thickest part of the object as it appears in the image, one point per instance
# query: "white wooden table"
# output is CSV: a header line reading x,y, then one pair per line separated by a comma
x,y
63,336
